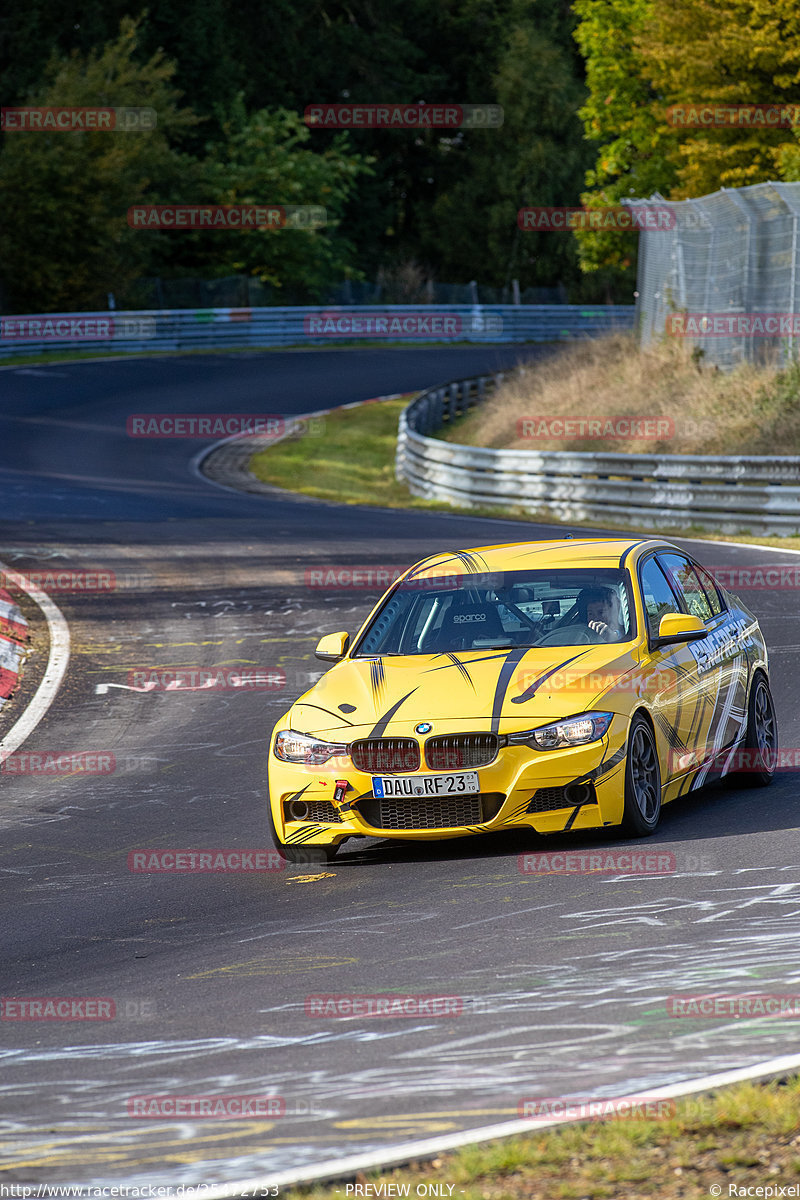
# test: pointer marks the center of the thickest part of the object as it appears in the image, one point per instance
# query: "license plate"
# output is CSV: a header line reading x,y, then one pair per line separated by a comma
x,y
425,785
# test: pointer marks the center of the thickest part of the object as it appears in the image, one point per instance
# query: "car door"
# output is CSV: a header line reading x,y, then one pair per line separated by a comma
x,y
672,684
722,662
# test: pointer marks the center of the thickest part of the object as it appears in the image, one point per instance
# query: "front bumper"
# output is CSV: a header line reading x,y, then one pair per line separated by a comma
x,y
546,791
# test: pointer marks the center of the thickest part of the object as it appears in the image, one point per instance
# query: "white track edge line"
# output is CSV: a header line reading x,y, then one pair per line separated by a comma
x,y
394,1156
57,663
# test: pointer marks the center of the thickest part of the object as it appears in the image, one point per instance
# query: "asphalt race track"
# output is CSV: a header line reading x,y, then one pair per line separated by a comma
x,y
562,979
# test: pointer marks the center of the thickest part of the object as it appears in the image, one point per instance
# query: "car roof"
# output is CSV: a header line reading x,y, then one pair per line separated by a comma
x,y
527,556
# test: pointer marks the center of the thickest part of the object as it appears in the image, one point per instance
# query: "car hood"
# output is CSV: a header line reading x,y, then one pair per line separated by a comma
x,y
503,690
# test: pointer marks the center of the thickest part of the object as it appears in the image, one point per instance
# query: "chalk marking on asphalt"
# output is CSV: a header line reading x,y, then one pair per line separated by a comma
x,y
413,1151
397,1156
58,661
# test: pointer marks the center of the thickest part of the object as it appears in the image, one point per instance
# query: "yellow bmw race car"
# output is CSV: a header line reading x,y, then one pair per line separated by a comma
x,y
541,686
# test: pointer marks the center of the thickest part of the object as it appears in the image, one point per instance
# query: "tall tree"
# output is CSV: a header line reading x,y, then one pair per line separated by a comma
x,y
716,53
69,243
622,116
536,158
645,58
448,201
268,158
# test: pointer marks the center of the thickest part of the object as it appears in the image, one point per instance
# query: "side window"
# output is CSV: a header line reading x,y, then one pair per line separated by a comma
x,y
711,590
659,597
683,575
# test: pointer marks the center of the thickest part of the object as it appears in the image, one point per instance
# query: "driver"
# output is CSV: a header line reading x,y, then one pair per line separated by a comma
x,y
599,608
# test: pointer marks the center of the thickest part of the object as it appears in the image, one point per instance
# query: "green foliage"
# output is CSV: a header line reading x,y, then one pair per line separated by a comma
x,y
64,238
267,158
634,144
446,202
65,241
644,57
536,158
739,52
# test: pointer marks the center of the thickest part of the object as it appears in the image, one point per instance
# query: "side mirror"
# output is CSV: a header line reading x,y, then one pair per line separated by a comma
x,y
333,646
679,627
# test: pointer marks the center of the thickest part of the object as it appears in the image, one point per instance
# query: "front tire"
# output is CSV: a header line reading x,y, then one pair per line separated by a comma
x,y
314,855
642,781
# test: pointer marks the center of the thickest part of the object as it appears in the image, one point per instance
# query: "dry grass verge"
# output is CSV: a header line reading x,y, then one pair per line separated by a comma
x,y
744,1137
751,410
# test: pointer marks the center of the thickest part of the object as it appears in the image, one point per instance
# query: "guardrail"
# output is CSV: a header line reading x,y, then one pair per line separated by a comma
x,y
231,328
721,493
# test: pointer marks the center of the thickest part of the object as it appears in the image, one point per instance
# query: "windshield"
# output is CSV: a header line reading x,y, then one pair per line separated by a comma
x,y
502,609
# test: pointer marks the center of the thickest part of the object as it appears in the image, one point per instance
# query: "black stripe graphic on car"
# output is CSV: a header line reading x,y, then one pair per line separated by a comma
x,y
472,661
378,730
629,550
377,679
337,716
602,769
537,683
297,795
503,680
302,835
422,566
461,667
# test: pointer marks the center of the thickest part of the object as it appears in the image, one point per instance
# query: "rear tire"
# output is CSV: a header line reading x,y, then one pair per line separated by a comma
x,y
761,737
642,781
314,855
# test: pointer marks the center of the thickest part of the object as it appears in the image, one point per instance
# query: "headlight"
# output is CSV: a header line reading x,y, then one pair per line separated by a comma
x,y
577,731
301,748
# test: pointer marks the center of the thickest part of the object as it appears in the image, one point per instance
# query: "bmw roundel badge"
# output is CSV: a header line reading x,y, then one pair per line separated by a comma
x,y
423,727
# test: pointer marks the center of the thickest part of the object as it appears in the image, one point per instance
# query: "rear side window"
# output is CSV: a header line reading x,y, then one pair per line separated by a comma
x,y
658,596
683,576
711,590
